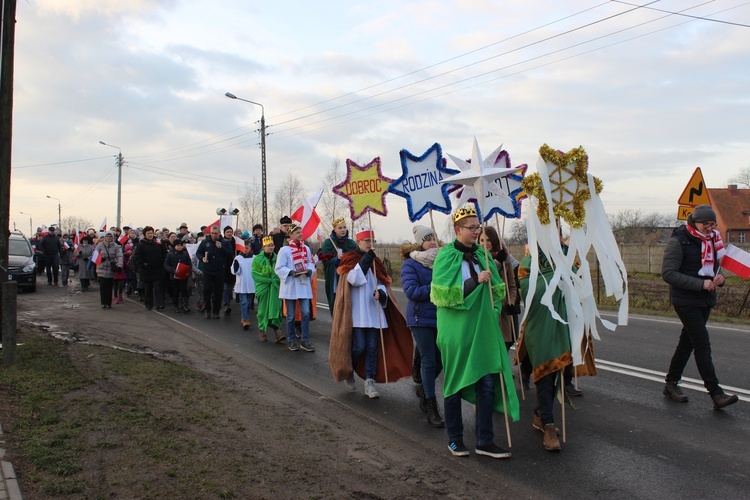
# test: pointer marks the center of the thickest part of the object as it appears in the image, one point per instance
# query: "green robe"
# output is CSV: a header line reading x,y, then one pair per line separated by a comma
x,y
543,338
469,337
330,259
267,291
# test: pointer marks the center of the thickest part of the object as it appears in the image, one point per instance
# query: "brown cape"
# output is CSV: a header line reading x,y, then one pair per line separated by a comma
x,y
396,340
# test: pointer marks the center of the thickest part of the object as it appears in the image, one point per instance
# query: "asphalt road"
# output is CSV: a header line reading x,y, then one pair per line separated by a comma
x,y
624,438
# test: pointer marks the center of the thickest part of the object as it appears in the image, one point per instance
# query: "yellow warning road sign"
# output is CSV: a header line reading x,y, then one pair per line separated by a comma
x,y
683,212
696,192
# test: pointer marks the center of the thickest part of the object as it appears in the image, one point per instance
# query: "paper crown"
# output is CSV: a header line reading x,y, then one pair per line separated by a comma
x,y
293,227
365,232
463,213
337,221
267,240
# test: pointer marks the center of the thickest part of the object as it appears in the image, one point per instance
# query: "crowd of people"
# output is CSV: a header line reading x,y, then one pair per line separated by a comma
x,y
461,318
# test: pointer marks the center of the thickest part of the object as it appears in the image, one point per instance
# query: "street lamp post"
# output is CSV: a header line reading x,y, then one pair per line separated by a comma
x,y
119,182
59,212
264,187
30,224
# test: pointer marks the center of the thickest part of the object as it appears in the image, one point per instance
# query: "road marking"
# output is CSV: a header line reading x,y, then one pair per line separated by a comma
x,y
656,376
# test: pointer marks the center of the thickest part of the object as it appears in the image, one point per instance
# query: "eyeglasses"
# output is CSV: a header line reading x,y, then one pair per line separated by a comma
x,y
473,229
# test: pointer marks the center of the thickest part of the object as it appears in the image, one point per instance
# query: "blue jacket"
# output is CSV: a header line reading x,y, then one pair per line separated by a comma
x,y
415,280
217,257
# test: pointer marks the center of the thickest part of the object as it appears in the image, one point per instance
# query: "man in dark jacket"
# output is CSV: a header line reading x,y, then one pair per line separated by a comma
x,y
256,240
690,266
214,253
280,238
51,246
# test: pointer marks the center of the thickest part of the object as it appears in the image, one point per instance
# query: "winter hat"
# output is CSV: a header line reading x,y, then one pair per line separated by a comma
x,y
267,240
245,235
178,241
109,233
422,233
704,213
285,220
365,232
184,224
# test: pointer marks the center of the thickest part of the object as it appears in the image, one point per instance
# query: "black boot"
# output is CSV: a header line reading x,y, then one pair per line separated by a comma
x,y
433,413
416,367
422,400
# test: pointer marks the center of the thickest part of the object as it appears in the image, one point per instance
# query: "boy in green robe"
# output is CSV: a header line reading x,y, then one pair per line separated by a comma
x,y
267,290
468,294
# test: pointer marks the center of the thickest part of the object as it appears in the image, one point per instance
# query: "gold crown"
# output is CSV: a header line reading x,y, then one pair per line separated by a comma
x,y
463,213
338,221
267,240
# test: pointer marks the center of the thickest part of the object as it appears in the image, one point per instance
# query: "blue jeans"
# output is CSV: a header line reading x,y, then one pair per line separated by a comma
x,y
545,398
291,310
694,340
227,295
432,365
365,341
485,388
245,306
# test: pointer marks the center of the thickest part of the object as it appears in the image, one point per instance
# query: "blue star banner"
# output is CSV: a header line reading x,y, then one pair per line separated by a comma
x,y
420,182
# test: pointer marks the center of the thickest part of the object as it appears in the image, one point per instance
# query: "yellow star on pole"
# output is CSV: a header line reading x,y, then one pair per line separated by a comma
x,y
365,187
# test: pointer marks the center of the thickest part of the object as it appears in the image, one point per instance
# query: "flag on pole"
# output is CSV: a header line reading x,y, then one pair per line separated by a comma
x,y
737,261
96,257
239,244
103,225
307,215
77,240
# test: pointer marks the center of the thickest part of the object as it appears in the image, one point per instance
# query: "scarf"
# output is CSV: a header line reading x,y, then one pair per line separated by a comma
x,y
299,255
712,248
469,255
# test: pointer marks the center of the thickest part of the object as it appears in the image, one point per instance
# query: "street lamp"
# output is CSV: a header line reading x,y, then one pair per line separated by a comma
x,y
119,182
59,212
264,187
30,224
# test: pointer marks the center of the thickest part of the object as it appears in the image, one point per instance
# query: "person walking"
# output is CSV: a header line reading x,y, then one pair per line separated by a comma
x,y
690,266
213,253
242,270
421,316
84,253
51,247
111,262
336,245
66,258
148,259
468,294
267,291
179,266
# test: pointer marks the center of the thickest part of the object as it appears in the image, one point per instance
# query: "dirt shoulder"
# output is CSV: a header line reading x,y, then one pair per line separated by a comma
x,y
261,435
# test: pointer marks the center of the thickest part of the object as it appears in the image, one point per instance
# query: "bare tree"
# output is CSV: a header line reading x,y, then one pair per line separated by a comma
x,y
288,197
251,205
75,223
517,232
332,206
631,226
742,178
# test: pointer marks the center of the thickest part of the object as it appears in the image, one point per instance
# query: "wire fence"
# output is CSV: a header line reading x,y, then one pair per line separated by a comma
x,y
647,290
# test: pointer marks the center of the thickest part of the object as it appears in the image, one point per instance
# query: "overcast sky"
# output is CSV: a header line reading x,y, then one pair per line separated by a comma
x,y
649,95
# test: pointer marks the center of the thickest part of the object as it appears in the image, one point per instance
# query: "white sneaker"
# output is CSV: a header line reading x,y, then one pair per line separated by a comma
x,y
370,391
350,383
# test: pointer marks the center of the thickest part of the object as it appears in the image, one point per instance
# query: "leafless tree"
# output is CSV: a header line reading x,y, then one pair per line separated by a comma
x,y
742,178
331,205
288,197
635,226
251,205
75,223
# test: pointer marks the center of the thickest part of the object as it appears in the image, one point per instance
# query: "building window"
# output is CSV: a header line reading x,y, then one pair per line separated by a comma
x,y
741,238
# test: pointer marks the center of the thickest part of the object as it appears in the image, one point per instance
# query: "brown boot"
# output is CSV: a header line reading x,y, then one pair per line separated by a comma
x,y
551,443
279,336
537,424
262,337
245,324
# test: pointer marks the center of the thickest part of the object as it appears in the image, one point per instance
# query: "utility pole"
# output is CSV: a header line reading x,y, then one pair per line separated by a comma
x,y
119,190
7,289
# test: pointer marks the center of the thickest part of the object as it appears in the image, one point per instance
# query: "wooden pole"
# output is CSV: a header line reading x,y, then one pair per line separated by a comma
x,y
562,394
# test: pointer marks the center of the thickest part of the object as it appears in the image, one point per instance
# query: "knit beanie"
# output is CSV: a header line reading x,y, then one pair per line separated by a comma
x,y
703,213
421,233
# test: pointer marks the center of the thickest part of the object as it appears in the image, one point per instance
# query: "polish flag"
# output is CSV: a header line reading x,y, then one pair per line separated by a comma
x,y
307,215
239,244
77,240
96,257
123,238
737,261
103,225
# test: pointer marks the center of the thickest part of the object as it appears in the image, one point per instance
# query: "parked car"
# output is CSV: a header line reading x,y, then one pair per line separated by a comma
x,y
21,262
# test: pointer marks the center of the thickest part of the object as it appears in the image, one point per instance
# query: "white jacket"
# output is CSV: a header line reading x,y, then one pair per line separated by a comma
x,y
242,267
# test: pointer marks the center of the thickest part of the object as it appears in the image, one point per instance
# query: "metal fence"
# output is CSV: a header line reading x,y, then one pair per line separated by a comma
x,y
647,291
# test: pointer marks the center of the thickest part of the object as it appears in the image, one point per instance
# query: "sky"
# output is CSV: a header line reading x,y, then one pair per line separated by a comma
x,y
650,95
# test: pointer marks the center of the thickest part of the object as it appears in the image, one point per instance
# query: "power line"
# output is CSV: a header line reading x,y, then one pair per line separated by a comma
x,y
59,162
679,13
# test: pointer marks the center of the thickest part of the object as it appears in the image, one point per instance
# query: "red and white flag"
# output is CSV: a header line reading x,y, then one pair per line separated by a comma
x,y
123,238
96,257
239,244
307,215
737,261
77,240
103,225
